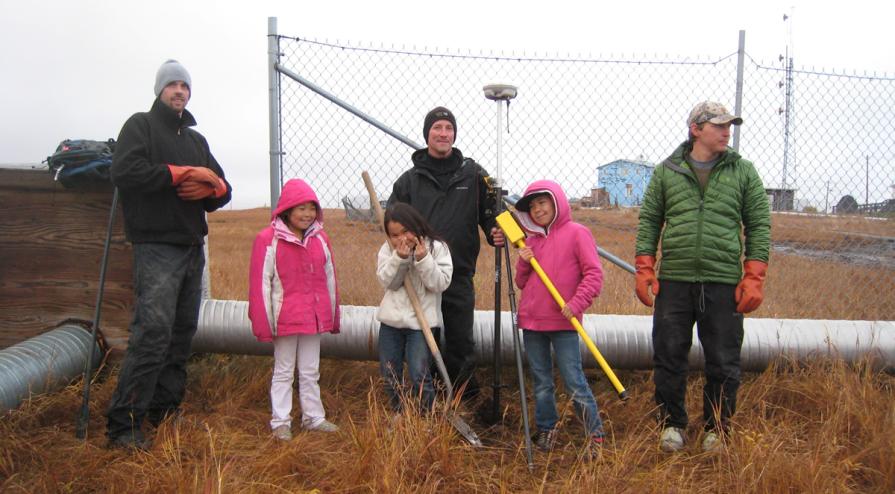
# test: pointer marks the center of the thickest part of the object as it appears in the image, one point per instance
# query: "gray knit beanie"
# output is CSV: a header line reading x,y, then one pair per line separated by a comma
x,y
169,72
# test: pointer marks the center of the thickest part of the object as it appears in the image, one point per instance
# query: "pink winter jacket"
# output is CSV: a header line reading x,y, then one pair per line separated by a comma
x,y
292,282
568,254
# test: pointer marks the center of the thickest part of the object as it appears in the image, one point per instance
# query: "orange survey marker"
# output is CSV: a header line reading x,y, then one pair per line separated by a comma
x,y
516,236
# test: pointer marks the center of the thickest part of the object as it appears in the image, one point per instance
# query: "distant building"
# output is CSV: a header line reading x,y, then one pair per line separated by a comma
x,y
621,183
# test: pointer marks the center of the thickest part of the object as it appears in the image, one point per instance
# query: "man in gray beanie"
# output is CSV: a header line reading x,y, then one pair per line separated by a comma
x,y
167,179
452,193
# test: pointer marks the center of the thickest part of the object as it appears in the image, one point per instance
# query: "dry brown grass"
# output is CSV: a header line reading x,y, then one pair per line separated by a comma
x,y
797,287
824,427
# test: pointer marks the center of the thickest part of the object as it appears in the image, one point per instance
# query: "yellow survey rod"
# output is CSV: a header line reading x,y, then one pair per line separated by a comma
x,y
516,236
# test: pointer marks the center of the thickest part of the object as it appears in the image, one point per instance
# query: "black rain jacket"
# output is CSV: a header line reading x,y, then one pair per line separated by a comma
x,y
148,143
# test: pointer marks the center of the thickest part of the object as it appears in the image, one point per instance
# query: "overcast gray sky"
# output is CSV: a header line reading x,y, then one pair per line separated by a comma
x,y
78,69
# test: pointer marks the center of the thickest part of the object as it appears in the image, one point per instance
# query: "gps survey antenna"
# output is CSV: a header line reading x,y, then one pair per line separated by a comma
x,y
502,94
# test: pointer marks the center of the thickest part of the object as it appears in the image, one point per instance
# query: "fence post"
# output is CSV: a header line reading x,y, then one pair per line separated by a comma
x,y
273,88
738,105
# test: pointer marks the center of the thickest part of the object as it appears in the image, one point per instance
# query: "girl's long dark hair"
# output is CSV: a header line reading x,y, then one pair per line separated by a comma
x,y
411,219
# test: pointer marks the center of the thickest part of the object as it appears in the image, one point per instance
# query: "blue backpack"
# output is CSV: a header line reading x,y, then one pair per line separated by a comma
x,y
82,162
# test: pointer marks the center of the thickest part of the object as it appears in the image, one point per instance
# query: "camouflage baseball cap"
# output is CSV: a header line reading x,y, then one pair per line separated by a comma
x,y
710,111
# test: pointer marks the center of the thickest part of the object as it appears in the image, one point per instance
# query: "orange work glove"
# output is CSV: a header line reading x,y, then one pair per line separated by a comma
x,y
179,173
191,190
645,279
206,176
206,182
202,174
749,292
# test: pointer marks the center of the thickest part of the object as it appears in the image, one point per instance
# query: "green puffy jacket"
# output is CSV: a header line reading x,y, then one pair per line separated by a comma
x,y
702,241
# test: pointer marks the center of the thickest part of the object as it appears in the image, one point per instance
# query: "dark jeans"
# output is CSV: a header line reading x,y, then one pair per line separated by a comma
x,y
720,328
568,361
458,349
396,345
167,296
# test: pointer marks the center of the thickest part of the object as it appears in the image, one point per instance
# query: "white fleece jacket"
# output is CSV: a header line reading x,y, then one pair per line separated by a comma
x,y
429,276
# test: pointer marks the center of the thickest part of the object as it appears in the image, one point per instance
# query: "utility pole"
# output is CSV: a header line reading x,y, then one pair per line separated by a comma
x,y
738,105
867,181
827,199
787,109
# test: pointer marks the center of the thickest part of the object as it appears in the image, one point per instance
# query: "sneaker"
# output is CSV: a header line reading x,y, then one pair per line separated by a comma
x,y
545,439
282,432
711,442
672,439
135,442
323,426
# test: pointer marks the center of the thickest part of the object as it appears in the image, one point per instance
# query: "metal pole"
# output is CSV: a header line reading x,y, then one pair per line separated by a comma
x,y
786,114
738,105
827,198
496,384
517,349
346,106
84,415
273,98
615,260
867,182
498,106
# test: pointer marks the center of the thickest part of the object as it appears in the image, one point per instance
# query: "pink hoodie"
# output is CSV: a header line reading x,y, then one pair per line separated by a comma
x,y
567,252
292,282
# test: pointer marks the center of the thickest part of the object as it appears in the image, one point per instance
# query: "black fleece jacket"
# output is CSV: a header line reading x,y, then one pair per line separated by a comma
x,y
148,142
456,209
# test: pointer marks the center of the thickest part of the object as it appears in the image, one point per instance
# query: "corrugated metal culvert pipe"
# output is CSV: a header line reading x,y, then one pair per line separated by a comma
x,y
625,341
44,363
55,358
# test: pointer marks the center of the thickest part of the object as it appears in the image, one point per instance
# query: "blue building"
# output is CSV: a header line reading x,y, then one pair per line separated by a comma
x,y
623,182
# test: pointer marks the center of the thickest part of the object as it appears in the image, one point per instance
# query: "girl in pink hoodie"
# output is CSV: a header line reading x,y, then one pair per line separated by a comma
x,y
293,300
568,254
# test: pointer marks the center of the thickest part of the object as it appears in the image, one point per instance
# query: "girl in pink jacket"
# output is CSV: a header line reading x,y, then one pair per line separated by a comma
x,y
568,254
293,300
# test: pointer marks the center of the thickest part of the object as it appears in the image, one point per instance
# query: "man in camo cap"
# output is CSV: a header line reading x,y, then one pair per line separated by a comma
x,y
698,201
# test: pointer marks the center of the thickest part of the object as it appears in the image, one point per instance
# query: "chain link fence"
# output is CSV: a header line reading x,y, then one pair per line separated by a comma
x,y
824,144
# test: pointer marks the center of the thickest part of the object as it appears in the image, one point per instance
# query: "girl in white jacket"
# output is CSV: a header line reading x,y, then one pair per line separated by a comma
x,y
413,249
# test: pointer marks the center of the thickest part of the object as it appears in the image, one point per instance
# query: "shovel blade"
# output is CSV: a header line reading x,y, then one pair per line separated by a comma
x,y
464,429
